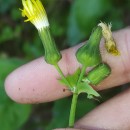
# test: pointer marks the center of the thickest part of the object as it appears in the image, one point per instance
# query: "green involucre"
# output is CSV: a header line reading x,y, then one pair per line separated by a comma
x,y
98,74
52,55
89,54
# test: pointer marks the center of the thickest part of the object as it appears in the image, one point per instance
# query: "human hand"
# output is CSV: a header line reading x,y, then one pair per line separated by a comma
x,y
36,82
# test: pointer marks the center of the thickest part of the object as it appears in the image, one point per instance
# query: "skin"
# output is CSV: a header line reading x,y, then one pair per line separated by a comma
x,y
36,82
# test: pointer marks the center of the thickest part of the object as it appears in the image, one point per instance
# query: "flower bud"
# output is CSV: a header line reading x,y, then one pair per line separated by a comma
x,y
52,55
98,74
89,54
36,14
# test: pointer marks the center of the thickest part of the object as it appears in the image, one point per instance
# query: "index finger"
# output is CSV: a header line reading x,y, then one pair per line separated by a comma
x,y
37,81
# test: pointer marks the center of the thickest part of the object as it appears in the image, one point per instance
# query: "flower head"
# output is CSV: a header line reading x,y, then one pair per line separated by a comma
x,y
89,54
35,12
109,40
98,74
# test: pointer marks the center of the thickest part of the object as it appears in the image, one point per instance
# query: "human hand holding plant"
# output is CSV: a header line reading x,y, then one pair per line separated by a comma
x,y
36,87
88,55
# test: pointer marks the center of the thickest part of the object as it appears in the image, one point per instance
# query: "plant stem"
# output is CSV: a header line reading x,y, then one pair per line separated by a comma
x,y
81,74
62,75
73,110
75,94
74,99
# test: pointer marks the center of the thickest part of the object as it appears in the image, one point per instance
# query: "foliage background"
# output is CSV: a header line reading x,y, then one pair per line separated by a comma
x,y
71,22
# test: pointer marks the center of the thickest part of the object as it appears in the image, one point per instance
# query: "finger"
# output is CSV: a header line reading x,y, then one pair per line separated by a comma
x,y
67,129
111,115
37,80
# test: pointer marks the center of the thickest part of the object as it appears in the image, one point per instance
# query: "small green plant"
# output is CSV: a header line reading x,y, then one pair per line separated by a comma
x,y
88,55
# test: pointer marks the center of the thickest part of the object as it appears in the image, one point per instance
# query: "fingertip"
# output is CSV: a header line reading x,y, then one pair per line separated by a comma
x,y
34,82
68,129
9,81
16,86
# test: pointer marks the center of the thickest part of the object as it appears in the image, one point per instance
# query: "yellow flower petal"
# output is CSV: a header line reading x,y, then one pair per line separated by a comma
x,y
35,12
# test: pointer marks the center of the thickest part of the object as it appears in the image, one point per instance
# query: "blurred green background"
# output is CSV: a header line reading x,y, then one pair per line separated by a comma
x,y
71,22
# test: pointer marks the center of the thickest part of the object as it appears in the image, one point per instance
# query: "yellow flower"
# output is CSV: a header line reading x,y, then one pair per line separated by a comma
x,y
109,40
35,12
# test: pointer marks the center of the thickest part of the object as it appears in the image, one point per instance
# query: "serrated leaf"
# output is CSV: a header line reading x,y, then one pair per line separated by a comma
x,y
72,79
86,88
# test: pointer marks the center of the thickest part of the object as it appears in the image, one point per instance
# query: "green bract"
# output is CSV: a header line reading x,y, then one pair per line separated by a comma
x,y
52,55
89,54
98,74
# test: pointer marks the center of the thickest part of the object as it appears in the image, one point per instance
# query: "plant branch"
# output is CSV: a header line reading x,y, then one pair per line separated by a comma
x,y
83,70
62,75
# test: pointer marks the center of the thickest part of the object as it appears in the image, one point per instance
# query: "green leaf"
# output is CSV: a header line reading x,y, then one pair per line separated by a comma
x,y
115,18
15,14
72,79
74,34
5,5
61,111
85,88
6,34
90,12
60,114
84,106
12,115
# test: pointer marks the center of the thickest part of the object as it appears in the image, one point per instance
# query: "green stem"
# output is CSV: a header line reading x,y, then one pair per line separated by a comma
x,y
75,95
74,99
81,74
73,110
62,75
